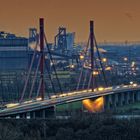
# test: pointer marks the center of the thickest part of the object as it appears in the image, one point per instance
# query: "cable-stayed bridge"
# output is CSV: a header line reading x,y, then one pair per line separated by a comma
x,y
91,97
112,97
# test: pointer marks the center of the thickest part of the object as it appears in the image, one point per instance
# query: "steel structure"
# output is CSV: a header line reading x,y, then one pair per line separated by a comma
x,y
92,53
42,89
61,40
95,63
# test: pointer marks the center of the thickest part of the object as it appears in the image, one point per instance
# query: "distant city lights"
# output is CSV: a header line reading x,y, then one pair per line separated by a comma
x,y
95,73
125,59
133,64
108,68
81,57
72,66
104,60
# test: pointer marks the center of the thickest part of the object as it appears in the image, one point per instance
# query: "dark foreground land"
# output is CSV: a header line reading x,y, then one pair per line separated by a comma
x,y
86,127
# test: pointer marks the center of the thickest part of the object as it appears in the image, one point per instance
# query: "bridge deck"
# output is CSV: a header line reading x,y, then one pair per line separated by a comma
x,y
32,105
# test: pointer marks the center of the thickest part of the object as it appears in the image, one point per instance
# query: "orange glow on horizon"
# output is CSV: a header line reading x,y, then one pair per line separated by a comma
x,y
111,24
94,106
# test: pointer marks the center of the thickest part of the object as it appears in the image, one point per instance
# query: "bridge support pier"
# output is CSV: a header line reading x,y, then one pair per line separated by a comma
x,y
126,98
113,103
131,97
22,116
107,101
119,99
34,115
123,98
138,95
43,114
28,116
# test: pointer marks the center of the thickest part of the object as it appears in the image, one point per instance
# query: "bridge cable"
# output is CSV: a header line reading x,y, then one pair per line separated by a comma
x,y
106,84
38,90
96,80
59,84
50,79
81,73
29,72
85,79
89,82
33,83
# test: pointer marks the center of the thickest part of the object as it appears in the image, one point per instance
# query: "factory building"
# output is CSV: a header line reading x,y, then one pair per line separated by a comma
x,y
13,52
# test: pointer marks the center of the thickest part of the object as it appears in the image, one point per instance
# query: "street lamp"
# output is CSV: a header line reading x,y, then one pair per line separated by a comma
x,y
104,60
125,59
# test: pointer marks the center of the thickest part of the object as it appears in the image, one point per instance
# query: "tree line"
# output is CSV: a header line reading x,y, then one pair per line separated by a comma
x,y
88,127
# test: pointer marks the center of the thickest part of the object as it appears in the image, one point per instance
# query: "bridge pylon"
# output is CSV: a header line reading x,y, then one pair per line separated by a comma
x,y
42,88
39,69
92,52
92,66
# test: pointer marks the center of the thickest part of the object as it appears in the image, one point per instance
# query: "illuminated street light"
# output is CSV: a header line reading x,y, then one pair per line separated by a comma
x,y
12,105
81,57
72,66
134,85
131,82
46,57
108,68
104,60
100,89
95,73
38,99
51,63
133,64
125,59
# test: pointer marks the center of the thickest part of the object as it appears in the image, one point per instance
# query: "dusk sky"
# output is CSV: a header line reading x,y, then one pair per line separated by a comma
x,y
115,20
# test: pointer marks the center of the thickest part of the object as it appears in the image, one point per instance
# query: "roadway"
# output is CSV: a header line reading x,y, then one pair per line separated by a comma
x,y
64,98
